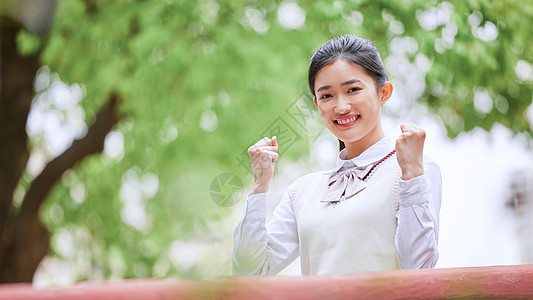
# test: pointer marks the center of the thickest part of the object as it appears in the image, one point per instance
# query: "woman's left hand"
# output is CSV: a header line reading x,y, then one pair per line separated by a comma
x,y
410,151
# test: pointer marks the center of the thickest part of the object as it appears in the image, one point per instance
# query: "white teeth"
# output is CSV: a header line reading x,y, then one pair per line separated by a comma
x,y
347,120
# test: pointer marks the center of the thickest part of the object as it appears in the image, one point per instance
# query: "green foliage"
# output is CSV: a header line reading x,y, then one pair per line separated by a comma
x,y
27,43
174,60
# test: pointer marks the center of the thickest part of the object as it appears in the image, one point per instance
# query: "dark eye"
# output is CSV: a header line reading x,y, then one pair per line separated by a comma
x,y
325,96
354,89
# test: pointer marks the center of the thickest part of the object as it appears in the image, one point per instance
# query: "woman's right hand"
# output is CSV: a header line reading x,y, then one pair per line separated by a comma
x,y
263,156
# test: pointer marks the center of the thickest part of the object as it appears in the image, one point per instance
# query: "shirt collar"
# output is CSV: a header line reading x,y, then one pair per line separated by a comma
x,y
370,156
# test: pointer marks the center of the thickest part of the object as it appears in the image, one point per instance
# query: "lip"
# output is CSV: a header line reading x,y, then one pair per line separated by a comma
x,y
357,117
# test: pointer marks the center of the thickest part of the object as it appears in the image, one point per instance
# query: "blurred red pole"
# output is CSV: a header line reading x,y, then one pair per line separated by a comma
x,y
477,282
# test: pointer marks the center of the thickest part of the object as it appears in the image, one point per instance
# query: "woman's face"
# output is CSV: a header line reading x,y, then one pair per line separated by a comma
x,y
349,103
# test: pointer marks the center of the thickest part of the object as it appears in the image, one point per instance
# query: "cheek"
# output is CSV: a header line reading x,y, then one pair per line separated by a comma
x,y
323,115
320,109
369,103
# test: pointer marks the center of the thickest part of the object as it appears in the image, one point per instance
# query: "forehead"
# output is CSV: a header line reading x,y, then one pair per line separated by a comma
x,y
341,71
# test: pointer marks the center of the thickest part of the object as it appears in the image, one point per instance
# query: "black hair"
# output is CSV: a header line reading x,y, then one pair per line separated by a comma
x,y
351,48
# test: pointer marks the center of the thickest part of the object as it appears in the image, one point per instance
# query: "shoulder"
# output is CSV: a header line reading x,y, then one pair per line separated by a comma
x,y
298,183
306,180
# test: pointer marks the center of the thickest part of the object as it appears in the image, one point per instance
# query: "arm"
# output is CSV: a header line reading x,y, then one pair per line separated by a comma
x,y
417,232
420,195
260,249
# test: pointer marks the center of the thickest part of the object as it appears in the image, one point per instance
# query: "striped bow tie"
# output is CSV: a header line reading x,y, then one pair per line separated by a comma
x,y
345,183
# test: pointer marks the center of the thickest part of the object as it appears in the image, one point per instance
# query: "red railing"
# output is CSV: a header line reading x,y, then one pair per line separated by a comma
x,y
472,283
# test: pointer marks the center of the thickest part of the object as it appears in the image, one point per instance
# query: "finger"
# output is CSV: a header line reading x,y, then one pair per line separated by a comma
x,y
264,142
266,148
403,136
413,128
266,154
274,141
409,128
406,133
267,157
414,131
269,148
402,127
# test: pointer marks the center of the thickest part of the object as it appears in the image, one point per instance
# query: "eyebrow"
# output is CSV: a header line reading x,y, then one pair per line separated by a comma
x,y
350,82
325,87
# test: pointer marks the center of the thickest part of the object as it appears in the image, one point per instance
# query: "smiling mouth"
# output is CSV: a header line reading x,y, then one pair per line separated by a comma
x,y
347,122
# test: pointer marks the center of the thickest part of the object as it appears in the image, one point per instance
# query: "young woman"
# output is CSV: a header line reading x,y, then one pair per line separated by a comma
x,y
378,209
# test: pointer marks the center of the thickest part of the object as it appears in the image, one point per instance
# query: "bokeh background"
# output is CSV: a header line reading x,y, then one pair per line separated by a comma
x,y
125,125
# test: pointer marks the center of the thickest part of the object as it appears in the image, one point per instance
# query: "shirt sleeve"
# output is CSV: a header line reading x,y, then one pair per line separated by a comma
x,y
260,249
417,232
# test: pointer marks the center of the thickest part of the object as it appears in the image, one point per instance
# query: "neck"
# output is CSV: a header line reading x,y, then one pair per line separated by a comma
x,y
355,149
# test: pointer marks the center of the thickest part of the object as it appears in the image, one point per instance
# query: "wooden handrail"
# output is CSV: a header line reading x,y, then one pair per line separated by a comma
x,y
473,283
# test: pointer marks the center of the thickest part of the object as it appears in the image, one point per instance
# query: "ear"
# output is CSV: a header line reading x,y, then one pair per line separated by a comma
x,y
314,101
386,92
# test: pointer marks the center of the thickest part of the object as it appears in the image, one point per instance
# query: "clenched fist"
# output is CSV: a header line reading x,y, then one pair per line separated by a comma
x,y
410,151
263,156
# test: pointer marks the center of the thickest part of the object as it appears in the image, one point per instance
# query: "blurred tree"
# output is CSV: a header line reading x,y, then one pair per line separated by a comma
x,y
201,81
24,241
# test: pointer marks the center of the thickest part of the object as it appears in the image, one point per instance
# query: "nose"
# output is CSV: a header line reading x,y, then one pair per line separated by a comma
x,y
342,106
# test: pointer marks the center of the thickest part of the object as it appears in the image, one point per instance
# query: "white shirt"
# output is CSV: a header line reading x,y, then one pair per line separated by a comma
x,y
265,250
